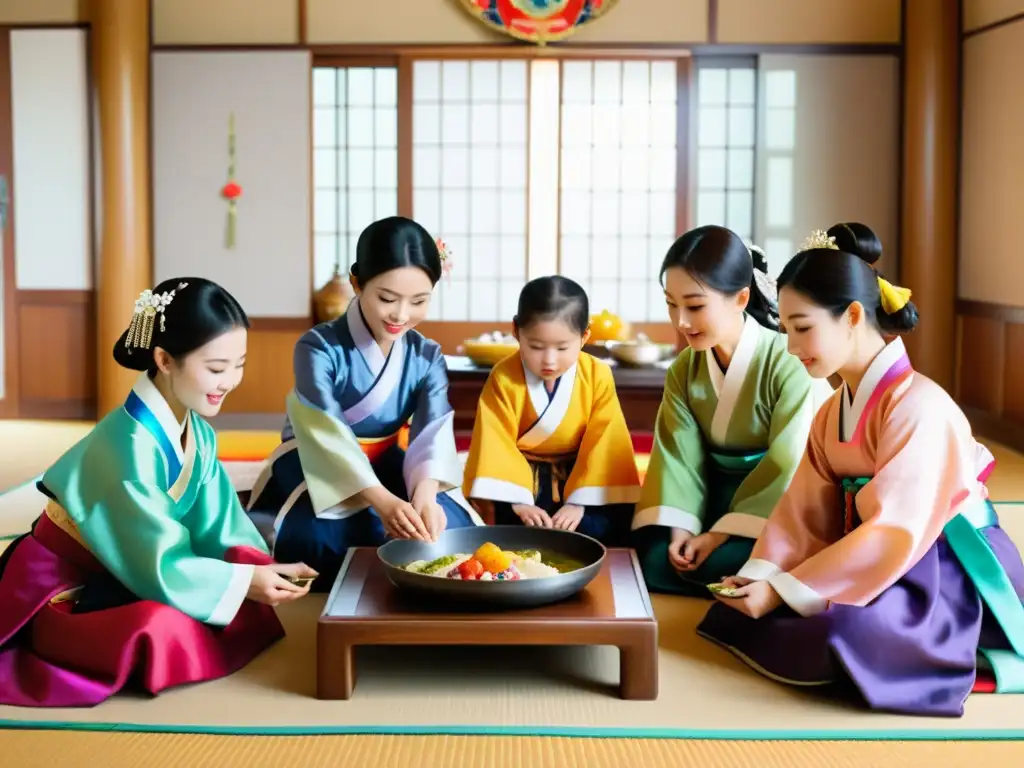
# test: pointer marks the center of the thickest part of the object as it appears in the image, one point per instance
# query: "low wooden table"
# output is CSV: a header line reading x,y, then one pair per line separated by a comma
x,y
365,608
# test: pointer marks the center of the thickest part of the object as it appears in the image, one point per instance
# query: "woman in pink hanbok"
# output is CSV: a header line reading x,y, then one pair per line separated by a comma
x,y
883,565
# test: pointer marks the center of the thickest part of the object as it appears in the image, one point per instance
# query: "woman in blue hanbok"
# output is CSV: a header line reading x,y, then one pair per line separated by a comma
x,y
340,477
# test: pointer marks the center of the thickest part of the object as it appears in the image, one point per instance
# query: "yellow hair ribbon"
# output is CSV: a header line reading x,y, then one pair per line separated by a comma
x,y
894,298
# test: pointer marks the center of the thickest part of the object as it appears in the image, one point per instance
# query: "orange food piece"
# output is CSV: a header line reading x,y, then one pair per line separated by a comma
x,y
492,557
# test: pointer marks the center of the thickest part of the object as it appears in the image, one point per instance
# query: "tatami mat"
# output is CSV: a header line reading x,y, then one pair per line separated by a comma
x,y
704,693
145,750
550,689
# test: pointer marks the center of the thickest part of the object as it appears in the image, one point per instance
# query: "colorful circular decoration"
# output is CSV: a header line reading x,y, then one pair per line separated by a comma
x,y
537,21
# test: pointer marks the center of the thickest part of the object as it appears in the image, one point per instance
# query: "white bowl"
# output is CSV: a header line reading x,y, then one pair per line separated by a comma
x,y
634,353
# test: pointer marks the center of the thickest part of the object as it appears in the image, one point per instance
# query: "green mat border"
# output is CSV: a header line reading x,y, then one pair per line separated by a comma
x,y
551,731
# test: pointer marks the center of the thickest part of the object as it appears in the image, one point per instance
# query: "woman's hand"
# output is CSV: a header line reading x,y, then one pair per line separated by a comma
x,y
567,518
532,516
434,519
675,548
401,520
697,549
756,599
736,582
270,584
424,501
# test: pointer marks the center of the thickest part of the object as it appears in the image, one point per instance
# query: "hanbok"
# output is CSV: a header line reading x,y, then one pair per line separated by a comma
x,y
138,569
547,448
349,411
726,445
894,572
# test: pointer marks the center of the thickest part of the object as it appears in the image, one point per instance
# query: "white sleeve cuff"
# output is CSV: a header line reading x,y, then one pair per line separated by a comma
x,y
227,607
758,570
427,470
798,595
493,489
670,517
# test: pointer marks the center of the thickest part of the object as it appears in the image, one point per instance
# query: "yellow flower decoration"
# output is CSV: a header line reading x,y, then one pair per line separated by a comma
x,y
894,297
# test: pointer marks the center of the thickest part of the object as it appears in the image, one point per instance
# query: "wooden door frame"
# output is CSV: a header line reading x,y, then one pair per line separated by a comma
x,y
9,400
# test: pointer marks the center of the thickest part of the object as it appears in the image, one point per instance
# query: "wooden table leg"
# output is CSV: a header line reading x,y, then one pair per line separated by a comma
x,y
638,670
335,668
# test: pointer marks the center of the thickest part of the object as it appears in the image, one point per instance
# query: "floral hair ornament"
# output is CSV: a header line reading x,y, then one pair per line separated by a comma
x,y
819,239
147,307
765,283
894,298
446,257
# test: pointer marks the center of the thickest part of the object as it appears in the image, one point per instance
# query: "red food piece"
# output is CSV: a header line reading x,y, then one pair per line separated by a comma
x,y
471,569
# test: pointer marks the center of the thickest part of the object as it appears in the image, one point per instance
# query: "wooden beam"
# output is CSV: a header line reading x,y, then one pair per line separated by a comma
x,y
929,204
121,64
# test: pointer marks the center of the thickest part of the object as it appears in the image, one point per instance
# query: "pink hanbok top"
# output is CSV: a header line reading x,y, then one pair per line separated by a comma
x,y
906,434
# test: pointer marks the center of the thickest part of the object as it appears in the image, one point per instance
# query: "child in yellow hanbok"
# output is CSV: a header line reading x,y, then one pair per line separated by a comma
x,y
550,445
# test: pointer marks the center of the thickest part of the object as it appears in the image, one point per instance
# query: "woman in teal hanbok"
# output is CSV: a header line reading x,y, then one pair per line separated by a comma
x,y
144,564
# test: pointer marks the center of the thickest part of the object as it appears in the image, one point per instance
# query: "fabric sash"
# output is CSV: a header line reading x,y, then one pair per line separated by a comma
x,y
964,535
736,462
726,471
561,468
375,447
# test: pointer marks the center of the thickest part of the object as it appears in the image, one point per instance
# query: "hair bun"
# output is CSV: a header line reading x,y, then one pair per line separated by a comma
x,y
857,240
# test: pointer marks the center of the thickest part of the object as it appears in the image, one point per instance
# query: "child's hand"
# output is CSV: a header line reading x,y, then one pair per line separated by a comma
x,y
567,518
697,548
532,516
675,548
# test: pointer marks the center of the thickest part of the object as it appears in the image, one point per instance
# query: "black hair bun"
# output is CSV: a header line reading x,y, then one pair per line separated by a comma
x,y
857,240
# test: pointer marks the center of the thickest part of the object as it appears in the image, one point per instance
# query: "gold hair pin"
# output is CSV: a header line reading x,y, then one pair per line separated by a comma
x,y
147,307
819,239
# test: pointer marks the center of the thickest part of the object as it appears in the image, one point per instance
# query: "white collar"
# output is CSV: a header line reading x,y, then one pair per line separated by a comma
x,y
364,341
891,354
147,392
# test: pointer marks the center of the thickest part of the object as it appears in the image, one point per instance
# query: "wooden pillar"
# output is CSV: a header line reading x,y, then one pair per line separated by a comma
x,y
120,42
931,124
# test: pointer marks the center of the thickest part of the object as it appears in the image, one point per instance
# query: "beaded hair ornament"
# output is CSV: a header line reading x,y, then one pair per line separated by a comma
x,y
446,256
147,307
893,297
765,284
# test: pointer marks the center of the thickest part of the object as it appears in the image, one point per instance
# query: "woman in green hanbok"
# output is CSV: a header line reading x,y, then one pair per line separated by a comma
x,y
733,421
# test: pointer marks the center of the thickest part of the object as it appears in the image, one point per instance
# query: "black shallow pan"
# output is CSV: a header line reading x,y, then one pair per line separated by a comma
x,y
525,593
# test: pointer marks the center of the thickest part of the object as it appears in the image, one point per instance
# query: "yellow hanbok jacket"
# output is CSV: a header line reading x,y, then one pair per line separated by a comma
x,y
519,424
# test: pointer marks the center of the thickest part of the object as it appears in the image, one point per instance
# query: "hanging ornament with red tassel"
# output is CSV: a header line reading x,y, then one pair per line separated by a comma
x,y
232,190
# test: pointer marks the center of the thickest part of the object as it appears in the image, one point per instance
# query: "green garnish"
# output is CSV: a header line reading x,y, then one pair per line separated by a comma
x,y
438,564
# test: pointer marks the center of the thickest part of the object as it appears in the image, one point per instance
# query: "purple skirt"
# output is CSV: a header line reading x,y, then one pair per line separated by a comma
x,y
912,650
